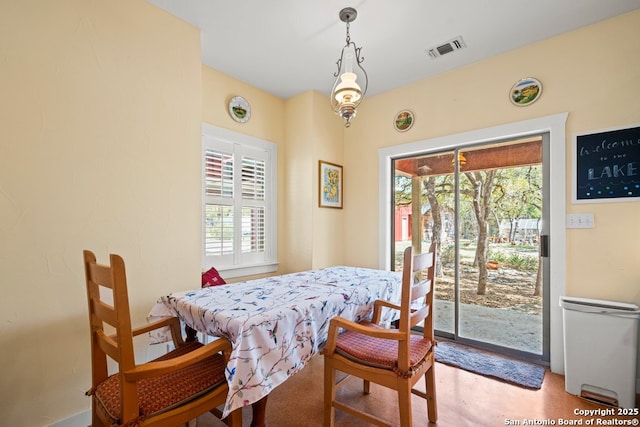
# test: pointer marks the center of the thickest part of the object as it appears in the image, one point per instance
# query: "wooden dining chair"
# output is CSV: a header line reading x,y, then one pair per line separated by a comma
x,y
168,391
394,358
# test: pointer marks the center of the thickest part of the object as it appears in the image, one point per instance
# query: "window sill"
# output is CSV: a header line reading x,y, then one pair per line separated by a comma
x,y
247,270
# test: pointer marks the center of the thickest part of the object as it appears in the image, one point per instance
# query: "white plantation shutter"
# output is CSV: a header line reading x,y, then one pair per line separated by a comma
x,y
239,201
253,198
253,230
253,179
218,188
218,173
218,230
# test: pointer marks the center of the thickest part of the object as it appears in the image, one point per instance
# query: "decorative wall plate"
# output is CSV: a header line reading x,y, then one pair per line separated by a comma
x,y
239,109
403,121
525,92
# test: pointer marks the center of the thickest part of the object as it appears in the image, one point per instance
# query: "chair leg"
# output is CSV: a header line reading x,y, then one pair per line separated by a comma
x,y
96,421
329,393
234,419
430,384
366,386
404,403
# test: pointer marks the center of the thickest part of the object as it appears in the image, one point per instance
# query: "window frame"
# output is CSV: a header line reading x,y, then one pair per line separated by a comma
x,y
239,145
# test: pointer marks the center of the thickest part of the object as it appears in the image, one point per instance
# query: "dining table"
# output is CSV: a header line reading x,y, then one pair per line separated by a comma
x,y
276,324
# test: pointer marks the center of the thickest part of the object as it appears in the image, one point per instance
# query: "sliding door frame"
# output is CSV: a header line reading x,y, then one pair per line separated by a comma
x,y
555,125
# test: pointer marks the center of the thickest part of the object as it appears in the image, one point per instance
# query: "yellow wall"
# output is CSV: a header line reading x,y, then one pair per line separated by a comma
x,y
305,130
328,223
266,123
589,73
267,110
298,182
100,116
101,112
314,236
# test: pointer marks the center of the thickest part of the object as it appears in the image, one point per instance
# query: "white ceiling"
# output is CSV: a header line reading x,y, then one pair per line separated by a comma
x,y
286,47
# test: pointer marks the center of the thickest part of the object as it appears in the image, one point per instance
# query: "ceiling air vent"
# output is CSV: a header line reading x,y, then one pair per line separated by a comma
x,y
447,47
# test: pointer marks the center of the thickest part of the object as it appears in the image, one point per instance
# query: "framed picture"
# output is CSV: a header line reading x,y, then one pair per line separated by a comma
x,y
605,165
403,121
330,185
525,92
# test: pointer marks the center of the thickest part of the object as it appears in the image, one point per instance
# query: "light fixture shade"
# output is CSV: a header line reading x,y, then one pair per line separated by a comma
x,y
351,79
347,90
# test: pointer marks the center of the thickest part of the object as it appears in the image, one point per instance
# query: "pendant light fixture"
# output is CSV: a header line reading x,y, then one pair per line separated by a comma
x,y
351,79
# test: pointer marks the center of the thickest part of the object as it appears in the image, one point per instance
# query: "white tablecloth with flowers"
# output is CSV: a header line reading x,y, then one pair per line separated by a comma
x,y
277,324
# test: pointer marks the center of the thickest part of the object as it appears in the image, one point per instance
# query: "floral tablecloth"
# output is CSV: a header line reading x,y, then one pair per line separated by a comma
x,y
277,324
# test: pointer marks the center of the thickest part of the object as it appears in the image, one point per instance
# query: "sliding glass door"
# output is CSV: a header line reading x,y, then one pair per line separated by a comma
x,y
484,207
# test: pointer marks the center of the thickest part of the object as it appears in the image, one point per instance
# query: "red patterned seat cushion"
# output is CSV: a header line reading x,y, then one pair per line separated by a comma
x,y
211,277
160,394
379,352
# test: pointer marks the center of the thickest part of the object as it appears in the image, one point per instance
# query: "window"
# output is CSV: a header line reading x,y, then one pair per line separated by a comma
x,y
239,198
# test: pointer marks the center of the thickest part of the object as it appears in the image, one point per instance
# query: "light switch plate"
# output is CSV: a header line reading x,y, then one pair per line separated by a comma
x,y
580,220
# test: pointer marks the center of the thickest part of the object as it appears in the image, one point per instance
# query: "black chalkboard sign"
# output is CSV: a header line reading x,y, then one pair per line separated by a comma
x,y
607,166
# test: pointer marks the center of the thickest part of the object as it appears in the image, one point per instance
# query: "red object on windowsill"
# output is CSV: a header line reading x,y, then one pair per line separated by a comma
x,y
211,277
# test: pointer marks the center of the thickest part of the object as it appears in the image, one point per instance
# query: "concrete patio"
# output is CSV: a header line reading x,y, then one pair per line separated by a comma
x,y
499,326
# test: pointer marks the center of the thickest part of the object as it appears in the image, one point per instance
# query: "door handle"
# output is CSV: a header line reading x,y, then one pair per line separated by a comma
x,y
544,246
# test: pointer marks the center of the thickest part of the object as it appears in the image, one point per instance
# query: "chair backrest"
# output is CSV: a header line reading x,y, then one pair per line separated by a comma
x,y
108,304
418,281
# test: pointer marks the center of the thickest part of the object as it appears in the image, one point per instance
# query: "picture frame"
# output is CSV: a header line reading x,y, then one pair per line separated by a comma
x,y
330,185
604,167
525,92
403,120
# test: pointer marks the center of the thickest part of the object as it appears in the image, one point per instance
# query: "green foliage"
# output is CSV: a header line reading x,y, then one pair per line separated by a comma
x,y
517,192
402,191
486,199
514,260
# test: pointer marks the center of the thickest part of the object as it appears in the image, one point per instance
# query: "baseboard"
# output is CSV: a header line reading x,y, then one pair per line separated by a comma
x,y
83,419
